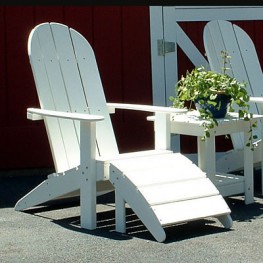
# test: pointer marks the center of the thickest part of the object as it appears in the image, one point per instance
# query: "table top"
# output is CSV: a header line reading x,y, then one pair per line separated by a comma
x,y
194,117
191,123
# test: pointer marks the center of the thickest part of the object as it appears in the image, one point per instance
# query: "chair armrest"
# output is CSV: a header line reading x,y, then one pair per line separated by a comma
x,y
162,136
148,108
256,99
39,114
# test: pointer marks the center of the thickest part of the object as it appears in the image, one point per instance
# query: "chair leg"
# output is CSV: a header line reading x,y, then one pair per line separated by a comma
x,y
88,202
54,186
226,221
120,213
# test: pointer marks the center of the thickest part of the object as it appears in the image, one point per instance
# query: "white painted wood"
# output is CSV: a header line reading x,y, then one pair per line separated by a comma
x,y
88,177
49,189
162,131
206,150
191,209
78,124
120,213
161,161
154,198
207,13
103,163
42,80
189,48
248,169
148,108
178,191
163,140
229,43
170,59
206,155
37,114
235,186
94,93
60,83
157,62
254,73
137,202
256,99
244,64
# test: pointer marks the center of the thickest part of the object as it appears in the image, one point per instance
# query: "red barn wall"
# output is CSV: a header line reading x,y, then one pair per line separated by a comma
x,y
120,36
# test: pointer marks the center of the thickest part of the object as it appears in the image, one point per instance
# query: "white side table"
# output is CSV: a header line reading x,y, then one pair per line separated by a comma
x,y
227,184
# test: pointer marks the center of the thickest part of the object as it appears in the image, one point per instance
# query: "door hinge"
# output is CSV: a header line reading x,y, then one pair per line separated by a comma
x,y
165,47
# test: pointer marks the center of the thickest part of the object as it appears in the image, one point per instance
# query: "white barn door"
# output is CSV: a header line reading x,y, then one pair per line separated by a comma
x,y
167,35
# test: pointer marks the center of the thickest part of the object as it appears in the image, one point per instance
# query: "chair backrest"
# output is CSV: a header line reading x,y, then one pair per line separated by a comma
x,y
67,79
221,35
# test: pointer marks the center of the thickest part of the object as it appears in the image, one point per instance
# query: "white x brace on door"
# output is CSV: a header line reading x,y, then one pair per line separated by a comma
x,y
167,35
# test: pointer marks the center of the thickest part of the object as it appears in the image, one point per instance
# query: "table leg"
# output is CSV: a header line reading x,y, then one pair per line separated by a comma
x,y
261,154
248,170
206,156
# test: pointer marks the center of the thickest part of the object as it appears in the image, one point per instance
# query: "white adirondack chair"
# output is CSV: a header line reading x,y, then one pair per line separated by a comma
x,y
160,186
220,35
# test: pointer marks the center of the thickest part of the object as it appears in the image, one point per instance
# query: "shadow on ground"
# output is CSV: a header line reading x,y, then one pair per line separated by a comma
x,y
13,187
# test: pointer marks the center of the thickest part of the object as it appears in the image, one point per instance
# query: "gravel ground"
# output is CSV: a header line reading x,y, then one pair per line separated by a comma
x,y
53,234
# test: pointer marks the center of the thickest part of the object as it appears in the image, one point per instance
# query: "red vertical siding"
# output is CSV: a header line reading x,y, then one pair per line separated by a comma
x,y
108,47
16,58
3,79
136,76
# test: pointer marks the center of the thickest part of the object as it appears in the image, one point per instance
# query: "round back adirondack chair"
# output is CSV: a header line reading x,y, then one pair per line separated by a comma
x,y
161,187
220,35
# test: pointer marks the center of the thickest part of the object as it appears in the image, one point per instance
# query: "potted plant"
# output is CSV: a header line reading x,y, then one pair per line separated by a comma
x,y
213,94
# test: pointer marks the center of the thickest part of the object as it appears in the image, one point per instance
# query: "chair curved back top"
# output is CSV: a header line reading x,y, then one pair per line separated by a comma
x,y
221,35
67,79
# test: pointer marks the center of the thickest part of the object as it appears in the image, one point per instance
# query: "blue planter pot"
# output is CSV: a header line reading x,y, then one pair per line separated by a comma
x,y
217,112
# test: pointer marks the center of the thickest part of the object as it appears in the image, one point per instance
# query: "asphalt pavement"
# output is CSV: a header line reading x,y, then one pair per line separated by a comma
x,y
53,234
